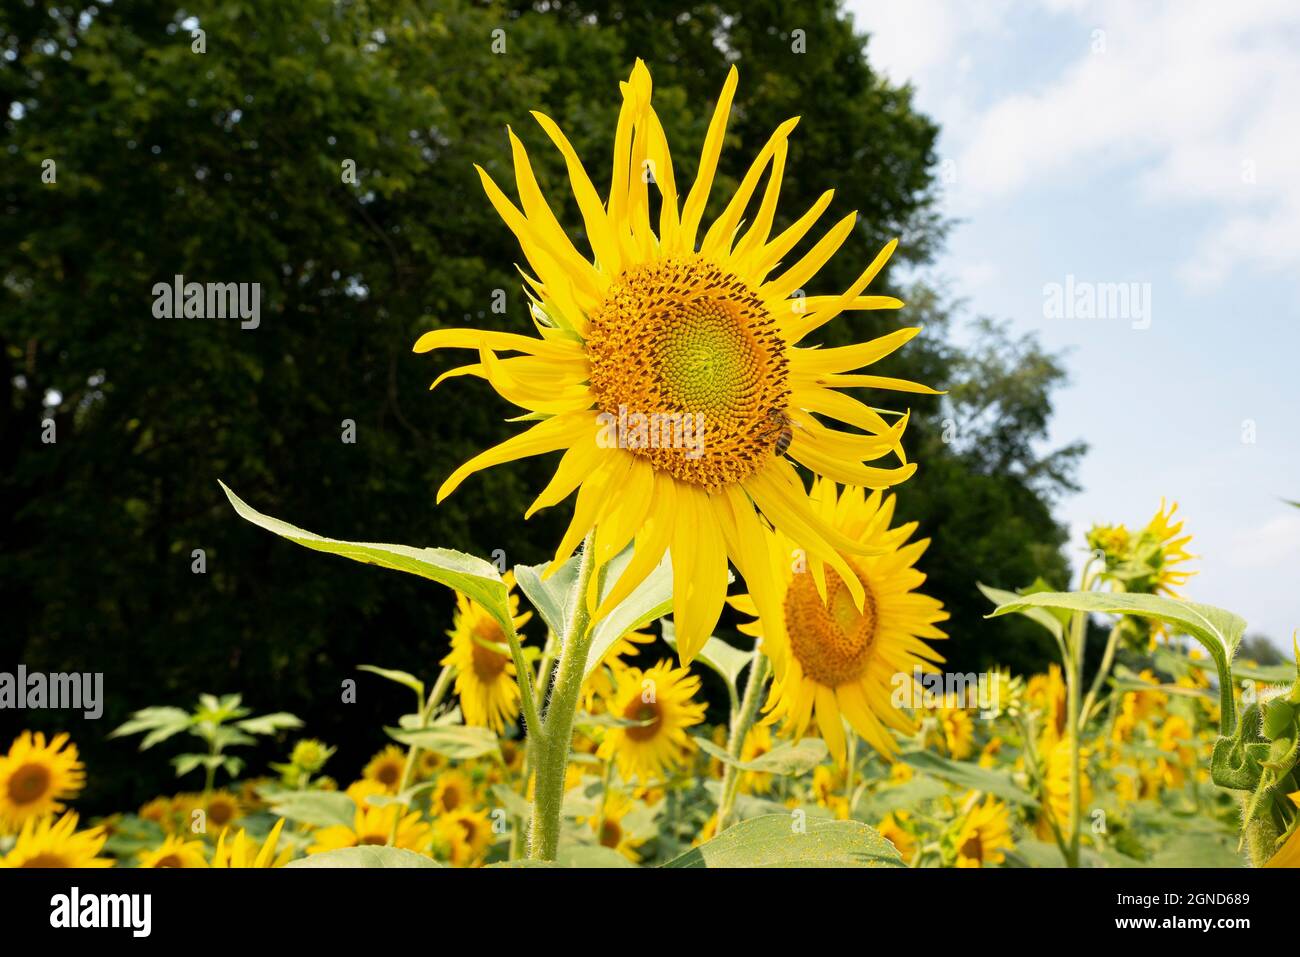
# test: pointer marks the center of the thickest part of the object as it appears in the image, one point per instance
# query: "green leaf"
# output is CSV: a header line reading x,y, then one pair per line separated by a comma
x,y
590,855
774,840
787,759
185,763
727,660
1042,616
147,719
1218,630
457,741
969,775
553,598
515,804
369,856
472,576
317,808
401,677
160,734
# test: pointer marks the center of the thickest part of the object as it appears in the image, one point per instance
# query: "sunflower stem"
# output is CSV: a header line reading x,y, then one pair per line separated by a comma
x,y
1107,660
743,721
555,735
1074,682
413,751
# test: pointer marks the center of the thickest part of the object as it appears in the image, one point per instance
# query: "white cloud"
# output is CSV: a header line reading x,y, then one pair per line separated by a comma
x,y
1274,542
1195,102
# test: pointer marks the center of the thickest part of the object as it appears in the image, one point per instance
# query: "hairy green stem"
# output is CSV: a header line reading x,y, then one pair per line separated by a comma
x,y
1073,704
556,734
1107,660
740,725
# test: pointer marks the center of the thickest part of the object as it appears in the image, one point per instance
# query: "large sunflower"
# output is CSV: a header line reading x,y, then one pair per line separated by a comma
x,y
35,777
667,367
51,843
659,699
844,660
485,673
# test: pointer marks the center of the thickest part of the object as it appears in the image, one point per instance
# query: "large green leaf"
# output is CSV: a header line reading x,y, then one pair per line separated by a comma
x,y
554,597
967,774
787,759
456,741
1041,616
368,856
1218,630
727,660
590,855
784,840
404,678
317,808
465,573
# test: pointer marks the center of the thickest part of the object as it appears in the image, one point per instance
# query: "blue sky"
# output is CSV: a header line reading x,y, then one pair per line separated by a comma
x,y
1149,143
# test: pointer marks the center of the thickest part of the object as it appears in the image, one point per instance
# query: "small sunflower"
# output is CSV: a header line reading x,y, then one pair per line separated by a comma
x,y
599,685
468,833
1163,547
677,328
1177,753
891,829
1057,779
1046,694
757,743
386,768
174,852
57,843
984,835
958,731
36,777
454,791
845,660
371,825
485,672
222,810
612,833
243,852
660,697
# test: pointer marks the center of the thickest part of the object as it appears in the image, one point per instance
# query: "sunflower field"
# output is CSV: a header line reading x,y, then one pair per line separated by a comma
x,y
712,455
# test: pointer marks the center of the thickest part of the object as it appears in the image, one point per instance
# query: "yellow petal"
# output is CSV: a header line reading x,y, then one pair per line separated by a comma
x,y
698,197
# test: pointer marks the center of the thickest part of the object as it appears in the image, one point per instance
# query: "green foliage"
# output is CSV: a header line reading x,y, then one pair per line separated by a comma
x,y
783,840
219,722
